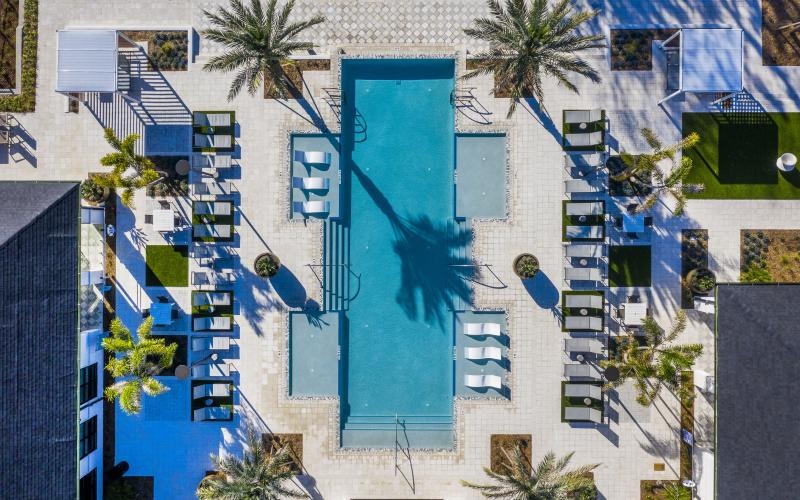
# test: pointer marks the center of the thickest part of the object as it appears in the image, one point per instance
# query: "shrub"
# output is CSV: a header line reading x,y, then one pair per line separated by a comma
x,y
756,273
267,265
526,266
91,191
25,101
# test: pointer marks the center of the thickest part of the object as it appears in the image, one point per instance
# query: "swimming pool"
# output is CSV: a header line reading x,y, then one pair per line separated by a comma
x,y
398,206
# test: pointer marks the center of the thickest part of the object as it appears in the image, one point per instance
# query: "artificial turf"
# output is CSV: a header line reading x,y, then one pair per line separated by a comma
x,y
629,266
167,265
736,156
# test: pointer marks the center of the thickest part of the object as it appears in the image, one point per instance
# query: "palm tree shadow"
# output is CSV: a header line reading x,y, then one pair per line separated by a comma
x,y
435,270
543,117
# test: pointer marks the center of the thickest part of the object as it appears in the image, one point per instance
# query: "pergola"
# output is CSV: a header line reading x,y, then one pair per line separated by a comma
x,y
710,60
89,61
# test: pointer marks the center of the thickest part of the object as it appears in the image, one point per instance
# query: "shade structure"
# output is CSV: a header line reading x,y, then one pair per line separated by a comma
x,y
711,60
87,61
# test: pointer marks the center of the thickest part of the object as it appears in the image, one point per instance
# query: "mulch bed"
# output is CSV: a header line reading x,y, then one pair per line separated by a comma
x,y
295,75
632,50
687,422
173,184
775,250
166,50
499,444
650,489
274,442
625,187
694,255
781,47
110,304
9,20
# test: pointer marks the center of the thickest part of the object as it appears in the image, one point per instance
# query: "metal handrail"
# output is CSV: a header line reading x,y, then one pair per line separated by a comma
x,y
489,268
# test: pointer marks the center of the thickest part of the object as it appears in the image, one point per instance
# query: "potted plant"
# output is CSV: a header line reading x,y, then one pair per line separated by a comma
x,y
701,280
526,266
94,193
267,265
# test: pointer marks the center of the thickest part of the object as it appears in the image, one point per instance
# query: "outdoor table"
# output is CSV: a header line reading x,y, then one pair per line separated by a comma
x,y
161,312
163,220
635,313
182,167
633,223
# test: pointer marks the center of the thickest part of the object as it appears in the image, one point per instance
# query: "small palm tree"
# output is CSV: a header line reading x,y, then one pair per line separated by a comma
x,y
134,363
655,364
528,42
131,171
258,474
666,173
548,480
258,43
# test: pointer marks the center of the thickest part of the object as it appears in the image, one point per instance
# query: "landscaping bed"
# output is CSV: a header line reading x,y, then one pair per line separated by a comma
x,y
625,187
780,47
736,155
770,256
694,255
294,442
173,184
632,49
25,101
181,353
167,50
167,265
687,422
629,266
499,444
9,20
295,75
655,490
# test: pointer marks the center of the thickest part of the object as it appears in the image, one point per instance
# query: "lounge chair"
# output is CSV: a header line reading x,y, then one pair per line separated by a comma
x,y
593,301
203,391
212,119
212,208
212,323
590,139
593,323
211,230
211,370
211,299
478,329
581,186
576,370
583,116
593,346
479,381
211,343
208,278
210,413
584,232
312,207
583,414
216,161
585,208
583,391
205,250
213,141
213,188
584,160
483,353
582,274
313,157
584,251
311,183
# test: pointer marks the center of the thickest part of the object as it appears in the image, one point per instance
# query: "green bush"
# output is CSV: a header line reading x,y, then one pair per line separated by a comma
x,y
91,191
526,266
25,101
267,265
756,273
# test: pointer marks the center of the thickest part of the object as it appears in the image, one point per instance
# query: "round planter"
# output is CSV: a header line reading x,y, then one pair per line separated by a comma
x,y
103,198
526,266
268,257
695,275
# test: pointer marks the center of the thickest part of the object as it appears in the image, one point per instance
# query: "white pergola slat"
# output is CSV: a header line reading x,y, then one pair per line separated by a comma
x,y
87,61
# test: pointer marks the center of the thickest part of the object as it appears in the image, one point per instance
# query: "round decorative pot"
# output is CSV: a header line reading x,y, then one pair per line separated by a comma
x,y
701,280
526,266
267,265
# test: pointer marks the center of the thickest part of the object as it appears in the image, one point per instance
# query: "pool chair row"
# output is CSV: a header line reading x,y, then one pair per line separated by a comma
x,y
584,130
215,401
583,310
584,174
213,221
483,381
213,131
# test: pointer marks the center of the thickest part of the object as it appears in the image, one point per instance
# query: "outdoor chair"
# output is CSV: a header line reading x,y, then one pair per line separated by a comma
x,y
212,208
213,141
212,119
584,160
211,370
584,232
479,329
583,116
211,343
212,323
583,414
213,278
583,208
477,353
211,413
311,183
584,371
592,346
204,391
212,188
583,391
313,157
211,299
581,186
312,207
212,230
217,161
211,251
593,323
587,139
582,274
593,301
585,251
481,381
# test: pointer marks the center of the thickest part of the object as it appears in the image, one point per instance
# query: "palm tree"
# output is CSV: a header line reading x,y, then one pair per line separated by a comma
x,y
655,364
258,474
134,363
131,171
528,42
666,173
549,480
258,43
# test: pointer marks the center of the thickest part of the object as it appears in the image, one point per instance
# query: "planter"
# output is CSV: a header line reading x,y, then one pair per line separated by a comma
x,y
267,265
94,194
526,266
701,281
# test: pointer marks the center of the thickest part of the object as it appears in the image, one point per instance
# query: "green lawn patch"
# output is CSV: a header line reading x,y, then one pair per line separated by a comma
x,y
736,156
167,265
629,266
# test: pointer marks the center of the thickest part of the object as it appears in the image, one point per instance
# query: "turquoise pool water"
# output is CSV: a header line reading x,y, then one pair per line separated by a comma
x,y
397,159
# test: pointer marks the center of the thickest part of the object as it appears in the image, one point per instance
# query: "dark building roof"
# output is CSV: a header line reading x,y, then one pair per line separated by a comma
x,y
39,285
757,391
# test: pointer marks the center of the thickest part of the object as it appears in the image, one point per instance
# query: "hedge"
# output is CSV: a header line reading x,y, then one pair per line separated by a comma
x,y
25,101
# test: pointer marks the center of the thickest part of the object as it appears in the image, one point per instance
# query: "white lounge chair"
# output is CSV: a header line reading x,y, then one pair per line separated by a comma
x,y
215,161
212,141
211,391
211,299
483,353
477,329
592,323
212,208
312,207
483,381
206,251
585,208
311,183
212,119
212,323
593,301
211,343
212,188
313,157
584,160
211,277
583,116
593,346
581,140
583,414
211,230
583,391
581,186
584,251
575,370
210,413
584,232
211,370
582,274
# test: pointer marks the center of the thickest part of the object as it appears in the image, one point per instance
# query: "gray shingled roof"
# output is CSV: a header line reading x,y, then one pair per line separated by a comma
x,y
757,391
39,326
